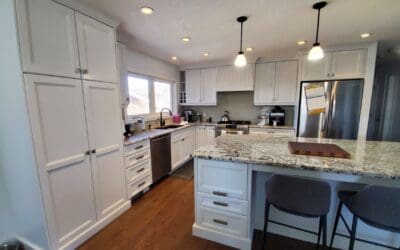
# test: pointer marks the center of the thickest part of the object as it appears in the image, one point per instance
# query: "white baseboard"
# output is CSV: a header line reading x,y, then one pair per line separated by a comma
x,y
222,238
77,241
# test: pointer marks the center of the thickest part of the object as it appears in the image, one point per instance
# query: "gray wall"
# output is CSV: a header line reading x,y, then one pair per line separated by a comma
x,y
20,191
240,106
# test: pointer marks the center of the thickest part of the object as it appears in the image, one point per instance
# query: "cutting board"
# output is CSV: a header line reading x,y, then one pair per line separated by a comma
x,y
318,149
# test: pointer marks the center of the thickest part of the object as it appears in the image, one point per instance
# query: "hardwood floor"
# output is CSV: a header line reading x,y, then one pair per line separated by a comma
x,y
162,219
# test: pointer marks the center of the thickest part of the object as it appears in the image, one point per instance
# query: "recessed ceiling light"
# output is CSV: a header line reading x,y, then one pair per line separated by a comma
x,y
147,10
365,35
205,54
174,58
186,39
249,49
302,42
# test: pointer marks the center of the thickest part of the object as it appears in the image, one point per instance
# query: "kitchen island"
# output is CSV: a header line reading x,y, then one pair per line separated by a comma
x,y
230,177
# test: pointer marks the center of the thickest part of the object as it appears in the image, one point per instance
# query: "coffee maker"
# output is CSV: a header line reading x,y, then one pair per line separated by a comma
x,y
277,116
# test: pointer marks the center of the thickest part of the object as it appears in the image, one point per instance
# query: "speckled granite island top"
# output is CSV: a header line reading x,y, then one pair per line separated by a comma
x,y
368,158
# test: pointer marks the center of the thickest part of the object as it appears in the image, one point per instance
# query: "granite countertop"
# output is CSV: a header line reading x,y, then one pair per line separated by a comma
x,y
148,134
368,158
271,127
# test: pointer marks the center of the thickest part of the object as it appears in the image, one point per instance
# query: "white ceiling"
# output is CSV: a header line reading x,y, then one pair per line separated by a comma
x,y
273,25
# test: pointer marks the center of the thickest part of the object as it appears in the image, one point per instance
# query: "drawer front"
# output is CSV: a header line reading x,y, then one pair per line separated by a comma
x,y
223,204
138,170
136,186
276,131
182,133
135,159
137,147
224,222
225,179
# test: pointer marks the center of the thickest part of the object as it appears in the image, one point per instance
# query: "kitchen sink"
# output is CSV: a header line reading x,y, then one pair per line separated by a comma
x,y
170,126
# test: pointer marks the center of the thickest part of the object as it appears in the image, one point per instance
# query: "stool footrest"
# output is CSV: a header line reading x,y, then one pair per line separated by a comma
x,y
293,227
369,242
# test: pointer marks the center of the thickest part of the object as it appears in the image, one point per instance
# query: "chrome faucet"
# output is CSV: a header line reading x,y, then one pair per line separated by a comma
x,y
162,123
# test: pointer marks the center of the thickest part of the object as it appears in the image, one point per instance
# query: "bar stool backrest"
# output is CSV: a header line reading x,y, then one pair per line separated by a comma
x,y
377,205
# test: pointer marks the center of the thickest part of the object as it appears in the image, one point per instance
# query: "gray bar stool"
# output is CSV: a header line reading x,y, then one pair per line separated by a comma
x,y
301,197
377,206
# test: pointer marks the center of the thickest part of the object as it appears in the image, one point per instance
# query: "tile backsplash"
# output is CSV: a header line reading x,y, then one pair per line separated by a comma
x,y
240,106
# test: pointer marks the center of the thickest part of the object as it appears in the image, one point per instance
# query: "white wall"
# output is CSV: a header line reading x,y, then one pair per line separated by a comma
x,y
6,225
17,161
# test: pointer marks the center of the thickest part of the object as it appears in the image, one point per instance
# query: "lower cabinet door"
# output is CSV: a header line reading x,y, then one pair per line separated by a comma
x,y
105,140
221,221
57,116
175,153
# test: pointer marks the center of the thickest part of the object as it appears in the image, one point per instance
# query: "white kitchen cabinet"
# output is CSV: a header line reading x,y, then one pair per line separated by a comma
x,y
286,82
105,137
346,64
97,49
192,86
264,87
182,146
57,115
231,78
123,73
48,41
208,86
276,83
200,86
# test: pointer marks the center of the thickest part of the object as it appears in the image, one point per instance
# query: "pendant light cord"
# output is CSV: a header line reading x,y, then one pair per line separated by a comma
x,y
316,37
241,35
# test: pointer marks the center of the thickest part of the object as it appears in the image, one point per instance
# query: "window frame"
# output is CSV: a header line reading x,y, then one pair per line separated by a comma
x,y
152,115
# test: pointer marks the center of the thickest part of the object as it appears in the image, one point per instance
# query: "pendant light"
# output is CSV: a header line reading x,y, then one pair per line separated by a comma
x,y
316,53
240,60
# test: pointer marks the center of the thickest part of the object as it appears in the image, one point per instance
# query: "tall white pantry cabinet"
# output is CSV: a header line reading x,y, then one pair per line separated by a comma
x,y
72,95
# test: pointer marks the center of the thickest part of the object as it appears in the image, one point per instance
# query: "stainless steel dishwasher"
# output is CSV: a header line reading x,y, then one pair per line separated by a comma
x,y
160,156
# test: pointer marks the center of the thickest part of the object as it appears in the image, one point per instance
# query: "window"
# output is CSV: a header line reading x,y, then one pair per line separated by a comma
x,y
148,96
162,95
139,96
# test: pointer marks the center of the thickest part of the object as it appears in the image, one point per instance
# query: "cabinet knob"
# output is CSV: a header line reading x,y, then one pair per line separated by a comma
x,y
93,151
87,152
78,70
328,75
333,74
84,71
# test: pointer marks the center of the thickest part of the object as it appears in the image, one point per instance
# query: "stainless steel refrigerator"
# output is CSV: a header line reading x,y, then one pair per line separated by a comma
x,y
330,109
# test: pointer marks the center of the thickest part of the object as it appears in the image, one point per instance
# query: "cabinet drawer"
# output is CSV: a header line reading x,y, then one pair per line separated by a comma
x,y
182,133
137,158
225,179
223,204
138,170
137,147
224,222
136,186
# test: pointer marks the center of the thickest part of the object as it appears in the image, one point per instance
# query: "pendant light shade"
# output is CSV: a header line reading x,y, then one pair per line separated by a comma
x,y
240,60
316,52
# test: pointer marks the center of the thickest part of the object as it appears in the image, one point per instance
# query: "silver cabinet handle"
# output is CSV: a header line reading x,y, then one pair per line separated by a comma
x,y
140,170
78,70
220,193
139,157
84,71
139,147
222,222
333,74
141,184
222,204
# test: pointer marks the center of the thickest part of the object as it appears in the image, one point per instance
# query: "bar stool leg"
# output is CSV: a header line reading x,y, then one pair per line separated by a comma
x,y
353,233
338,213
319,230
266,216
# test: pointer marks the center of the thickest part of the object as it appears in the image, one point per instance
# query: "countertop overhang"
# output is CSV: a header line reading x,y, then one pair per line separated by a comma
x,y
368,158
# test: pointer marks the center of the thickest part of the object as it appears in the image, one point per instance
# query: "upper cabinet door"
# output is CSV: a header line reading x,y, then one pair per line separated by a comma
x,y
123,73
57,116
286,82
348,64
105,137
231,78
97,49
208,84
264,87
316,70
192,84
47,38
